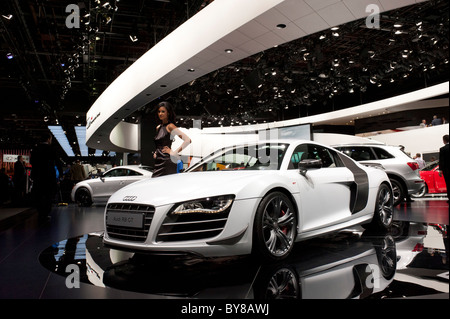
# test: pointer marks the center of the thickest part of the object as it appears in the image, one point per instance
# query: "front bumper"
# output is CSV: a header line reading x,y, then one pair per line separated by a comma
x,y
234,239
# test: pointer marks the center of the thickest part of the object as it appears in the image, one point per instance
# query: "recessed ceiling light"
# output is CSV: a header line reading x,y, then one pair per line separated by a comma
x,y
281,26
228,50
191,70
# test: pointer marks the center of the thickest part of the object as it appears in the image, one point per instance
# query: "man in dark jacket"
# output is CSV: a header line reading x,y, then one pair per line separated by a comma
x,y
444,166
43,174
19,180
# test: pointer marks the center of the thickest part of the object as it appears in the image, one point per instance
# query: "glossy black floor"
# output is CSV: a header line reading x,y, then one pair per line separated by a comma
x,y
38,261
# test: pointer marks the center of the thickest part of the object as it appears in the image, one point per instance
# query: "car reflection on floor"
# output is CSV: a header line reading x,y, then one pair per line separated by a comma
x,y
350,264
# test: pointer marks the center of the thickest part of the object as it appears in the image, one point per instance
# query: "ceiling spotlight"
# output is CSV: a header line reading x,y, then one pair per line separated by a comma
x,y
281,26
398,25
228,50
133,38
9,56
7,17
191,70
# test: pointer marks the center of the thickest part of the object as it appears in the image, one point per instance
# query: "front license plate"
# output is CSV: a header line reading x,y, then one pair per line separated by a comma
x,y
133,220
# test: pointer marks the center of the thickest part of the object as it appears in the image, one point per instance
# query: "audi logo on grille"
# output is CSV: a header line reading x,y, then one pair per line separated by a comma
x,y
129,198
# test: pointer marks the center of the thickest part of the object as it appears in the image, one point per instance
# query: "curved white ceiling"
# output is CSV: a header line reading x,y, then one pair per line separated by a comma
x,y
245,26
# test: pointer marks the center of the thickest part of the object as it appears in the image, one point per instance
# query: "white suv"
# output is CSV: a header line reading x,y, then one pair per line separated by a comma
x,y
402,170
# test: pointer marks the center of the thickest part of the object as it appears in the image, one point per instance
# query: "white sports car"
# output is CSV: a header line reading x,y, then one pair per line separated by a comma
x,y
100,189
258,198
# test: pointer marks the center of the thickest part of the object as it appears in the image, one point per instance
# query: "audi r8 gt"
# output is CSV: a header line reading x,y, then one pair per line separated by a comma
x,y
256,198
100,189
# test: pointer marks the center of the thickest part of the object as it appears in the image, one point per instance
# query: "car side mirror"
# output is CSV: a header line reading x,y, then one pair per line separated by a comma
x,y
305,165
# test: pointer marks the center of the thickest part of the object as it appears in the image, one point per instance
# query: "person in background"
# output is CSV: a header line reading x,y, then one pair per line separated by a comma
x,y
420,161
19,181
436,121
43,174
4,186
444,164
423,123
77,172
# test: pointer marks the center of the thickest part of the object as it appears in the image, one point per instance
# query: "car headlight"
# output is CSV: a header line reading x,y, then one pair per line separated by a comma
x,y
208,205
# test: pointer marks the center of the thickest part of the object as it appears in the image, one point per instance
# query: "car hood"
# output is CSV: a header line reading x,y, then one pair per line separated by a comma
x,y
175,188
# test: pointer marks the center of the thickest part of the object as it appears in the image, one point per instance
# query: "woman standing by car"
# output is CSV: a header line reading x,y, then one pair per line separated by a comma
x,y
166,158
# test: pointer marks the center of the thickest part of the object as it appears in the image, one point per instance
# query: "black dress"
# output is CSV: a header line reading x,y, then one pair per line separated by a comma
x,y
164,165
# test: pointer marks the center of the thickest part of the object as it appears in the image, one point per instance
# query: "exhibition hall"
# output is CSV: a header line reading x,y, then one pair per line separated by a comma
x,y
212,155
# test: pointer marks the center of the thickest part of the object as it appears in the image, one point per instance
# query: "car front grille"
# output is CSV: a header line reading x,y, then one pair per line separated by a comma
x,y
129,233
191,226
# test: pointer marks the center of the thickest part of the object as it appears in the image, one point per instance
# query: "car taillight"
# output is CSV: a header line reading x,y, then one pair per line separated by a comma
x,y
419,247
413,165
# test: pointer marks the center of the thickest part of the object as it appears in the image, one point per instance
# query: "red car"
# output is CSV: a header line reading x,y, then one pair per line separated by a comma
x,y
434,184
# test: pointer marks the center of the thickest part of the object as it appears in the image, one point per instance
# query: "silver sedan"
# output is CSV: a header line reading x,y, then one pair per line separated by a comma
x,y
100,189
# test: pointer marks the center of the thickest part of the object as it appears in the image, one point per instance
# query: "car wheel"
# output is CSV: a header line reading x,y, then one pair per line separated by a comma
x,y
277,282
83,197
383,215
397,191
421,193
275,227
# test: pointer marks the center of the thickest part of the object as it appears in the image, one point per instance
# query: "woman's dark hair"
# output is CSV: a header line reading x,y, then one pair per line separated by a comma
x,y
169,107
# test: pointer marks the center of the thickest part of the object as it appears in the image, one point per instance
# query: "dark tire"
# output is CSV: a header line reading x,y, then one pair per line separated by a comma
x,y
83,197
383,215
275,227
398,191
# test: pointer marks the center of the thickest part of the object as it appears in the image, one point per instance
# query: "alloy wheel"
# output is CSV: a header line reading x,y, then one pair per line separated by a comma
x,y
385,206
278,226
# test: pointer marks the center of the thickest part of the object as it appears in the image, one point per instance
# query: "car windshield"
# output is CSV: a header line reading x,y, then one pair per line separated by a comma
x,y
267,156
